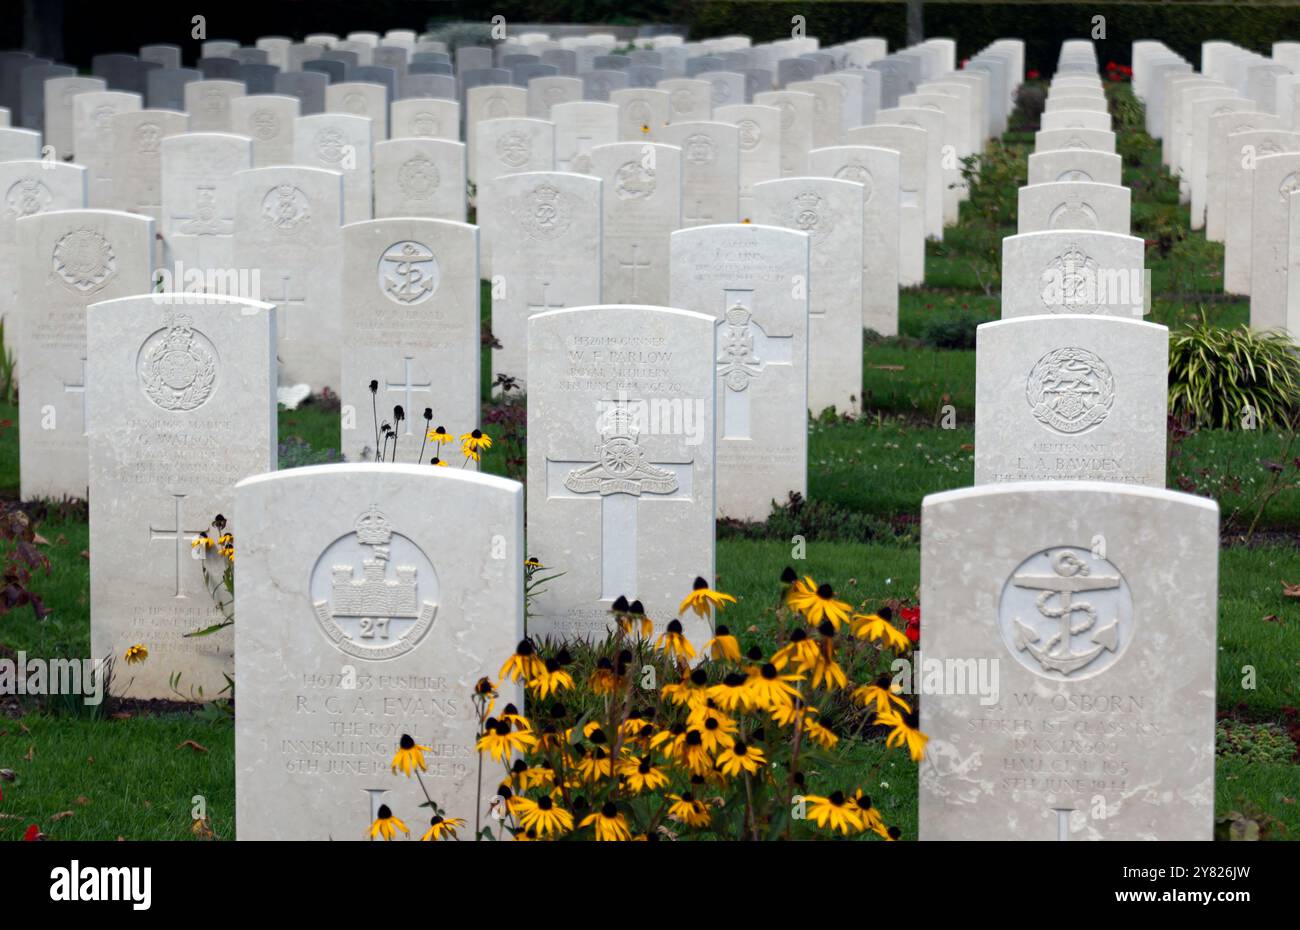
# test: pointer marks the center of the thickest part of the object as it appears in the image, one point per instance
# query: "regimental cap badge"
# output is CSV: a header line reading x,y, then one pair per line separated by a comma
x,y
373,528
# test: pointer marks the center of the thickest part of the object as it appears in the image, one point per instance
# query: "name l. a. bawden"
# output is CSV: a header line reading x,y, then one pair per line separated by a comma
x,y
103,883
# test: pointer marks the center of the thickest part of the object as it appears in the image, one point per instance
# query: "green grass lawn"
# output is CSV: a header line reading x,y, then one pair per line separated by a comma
x,y
137,777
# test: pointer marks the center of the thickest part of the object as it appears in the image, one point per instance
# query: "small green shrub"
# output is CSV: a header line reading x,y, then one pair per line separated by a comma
x,y
950,332
1221,378
1254,742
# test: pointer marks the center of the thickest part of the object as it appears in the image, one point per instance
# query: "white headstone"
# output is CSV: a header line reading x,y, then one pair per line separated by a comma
x,y
70,259
1073,205
361,98
620,463
641,196
748,278
29,187
208,104
136,163
1073,271
198,198
1069,397
710,171
546,228
830,211
92,131
410,323
420,177
287,230
339,142
1075,165
60,95
315,756
267,119
182,398
1276,177
425,118
1094,604
911,145
579,127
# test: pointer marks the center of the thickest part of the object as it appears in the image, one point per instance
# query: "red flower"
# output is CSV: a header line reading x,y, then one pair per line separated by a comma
x,y
33,833
1032,75
912,617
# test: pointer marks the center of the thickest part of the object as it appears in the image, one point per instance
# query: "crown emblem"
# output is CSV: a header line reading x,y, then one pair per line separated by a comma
x,y
373,528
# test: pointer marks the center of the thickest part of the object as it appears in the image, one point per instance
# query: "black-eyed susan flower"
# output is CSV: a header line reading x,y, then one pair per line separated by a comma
x,y
551,680
882,693
835,812
904,732
827,673
135,654
202,541
442,828
673,642
723,646
641,774
694,754
769,687
686,809
523,664
543,817
609,823
732,693
817,602
410,756
510,714
877,626
717,730
473,444
870,817
437,462
483,688
690,691
632,619
801,650
386,825
594,766
499,741
602,678
818,733
533,565
741,757
439,435
671,742
704,600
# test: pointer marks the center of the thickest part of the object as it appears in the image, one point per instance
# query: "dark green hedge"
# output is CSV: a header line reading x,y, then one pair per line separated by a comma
x,y
1043,25
93,26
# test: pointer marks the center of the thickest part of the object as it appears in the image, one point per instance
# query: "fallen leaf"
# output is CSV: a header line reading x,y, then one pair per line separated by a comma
x,y
192,745
888,367
31,753
1290,590
1272,618
967,447
85,554
40,540
61,815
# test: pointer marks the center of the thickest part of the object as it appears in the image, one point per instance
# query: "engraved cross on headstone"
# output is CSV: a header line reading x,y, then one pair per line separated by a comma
x,y
744,352
619,477
204,221
285,302
408,388
699,215
176,534
75,388
545,304
632,266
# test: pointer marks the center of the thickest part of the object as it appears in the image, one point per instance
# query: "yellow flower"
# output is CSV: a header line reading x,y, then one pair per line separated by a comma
x,y
817,602
869,815
733,693
499,742
410,756
135,654
686,809
694,754
386,825
716,729
595,766
201,541
510,714
835,812
691,690
723,646
610,824
551,680
827,670
802,650
770,688
881,693
819,734
442,828
703,600
602,680
674,642
437,462
904,732
877,626
542,817
523,664
671,742
473,444
741,758
438,434
641,774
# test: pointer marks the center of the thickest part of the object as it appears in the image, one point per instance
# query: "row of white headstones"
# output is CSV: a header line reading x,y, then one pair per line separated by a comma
x,y
630,405
1228,132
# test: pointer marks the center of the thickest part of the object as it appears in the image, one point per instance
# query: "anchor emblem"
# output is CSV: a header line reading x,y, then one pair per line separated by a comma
x,y
1058,600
